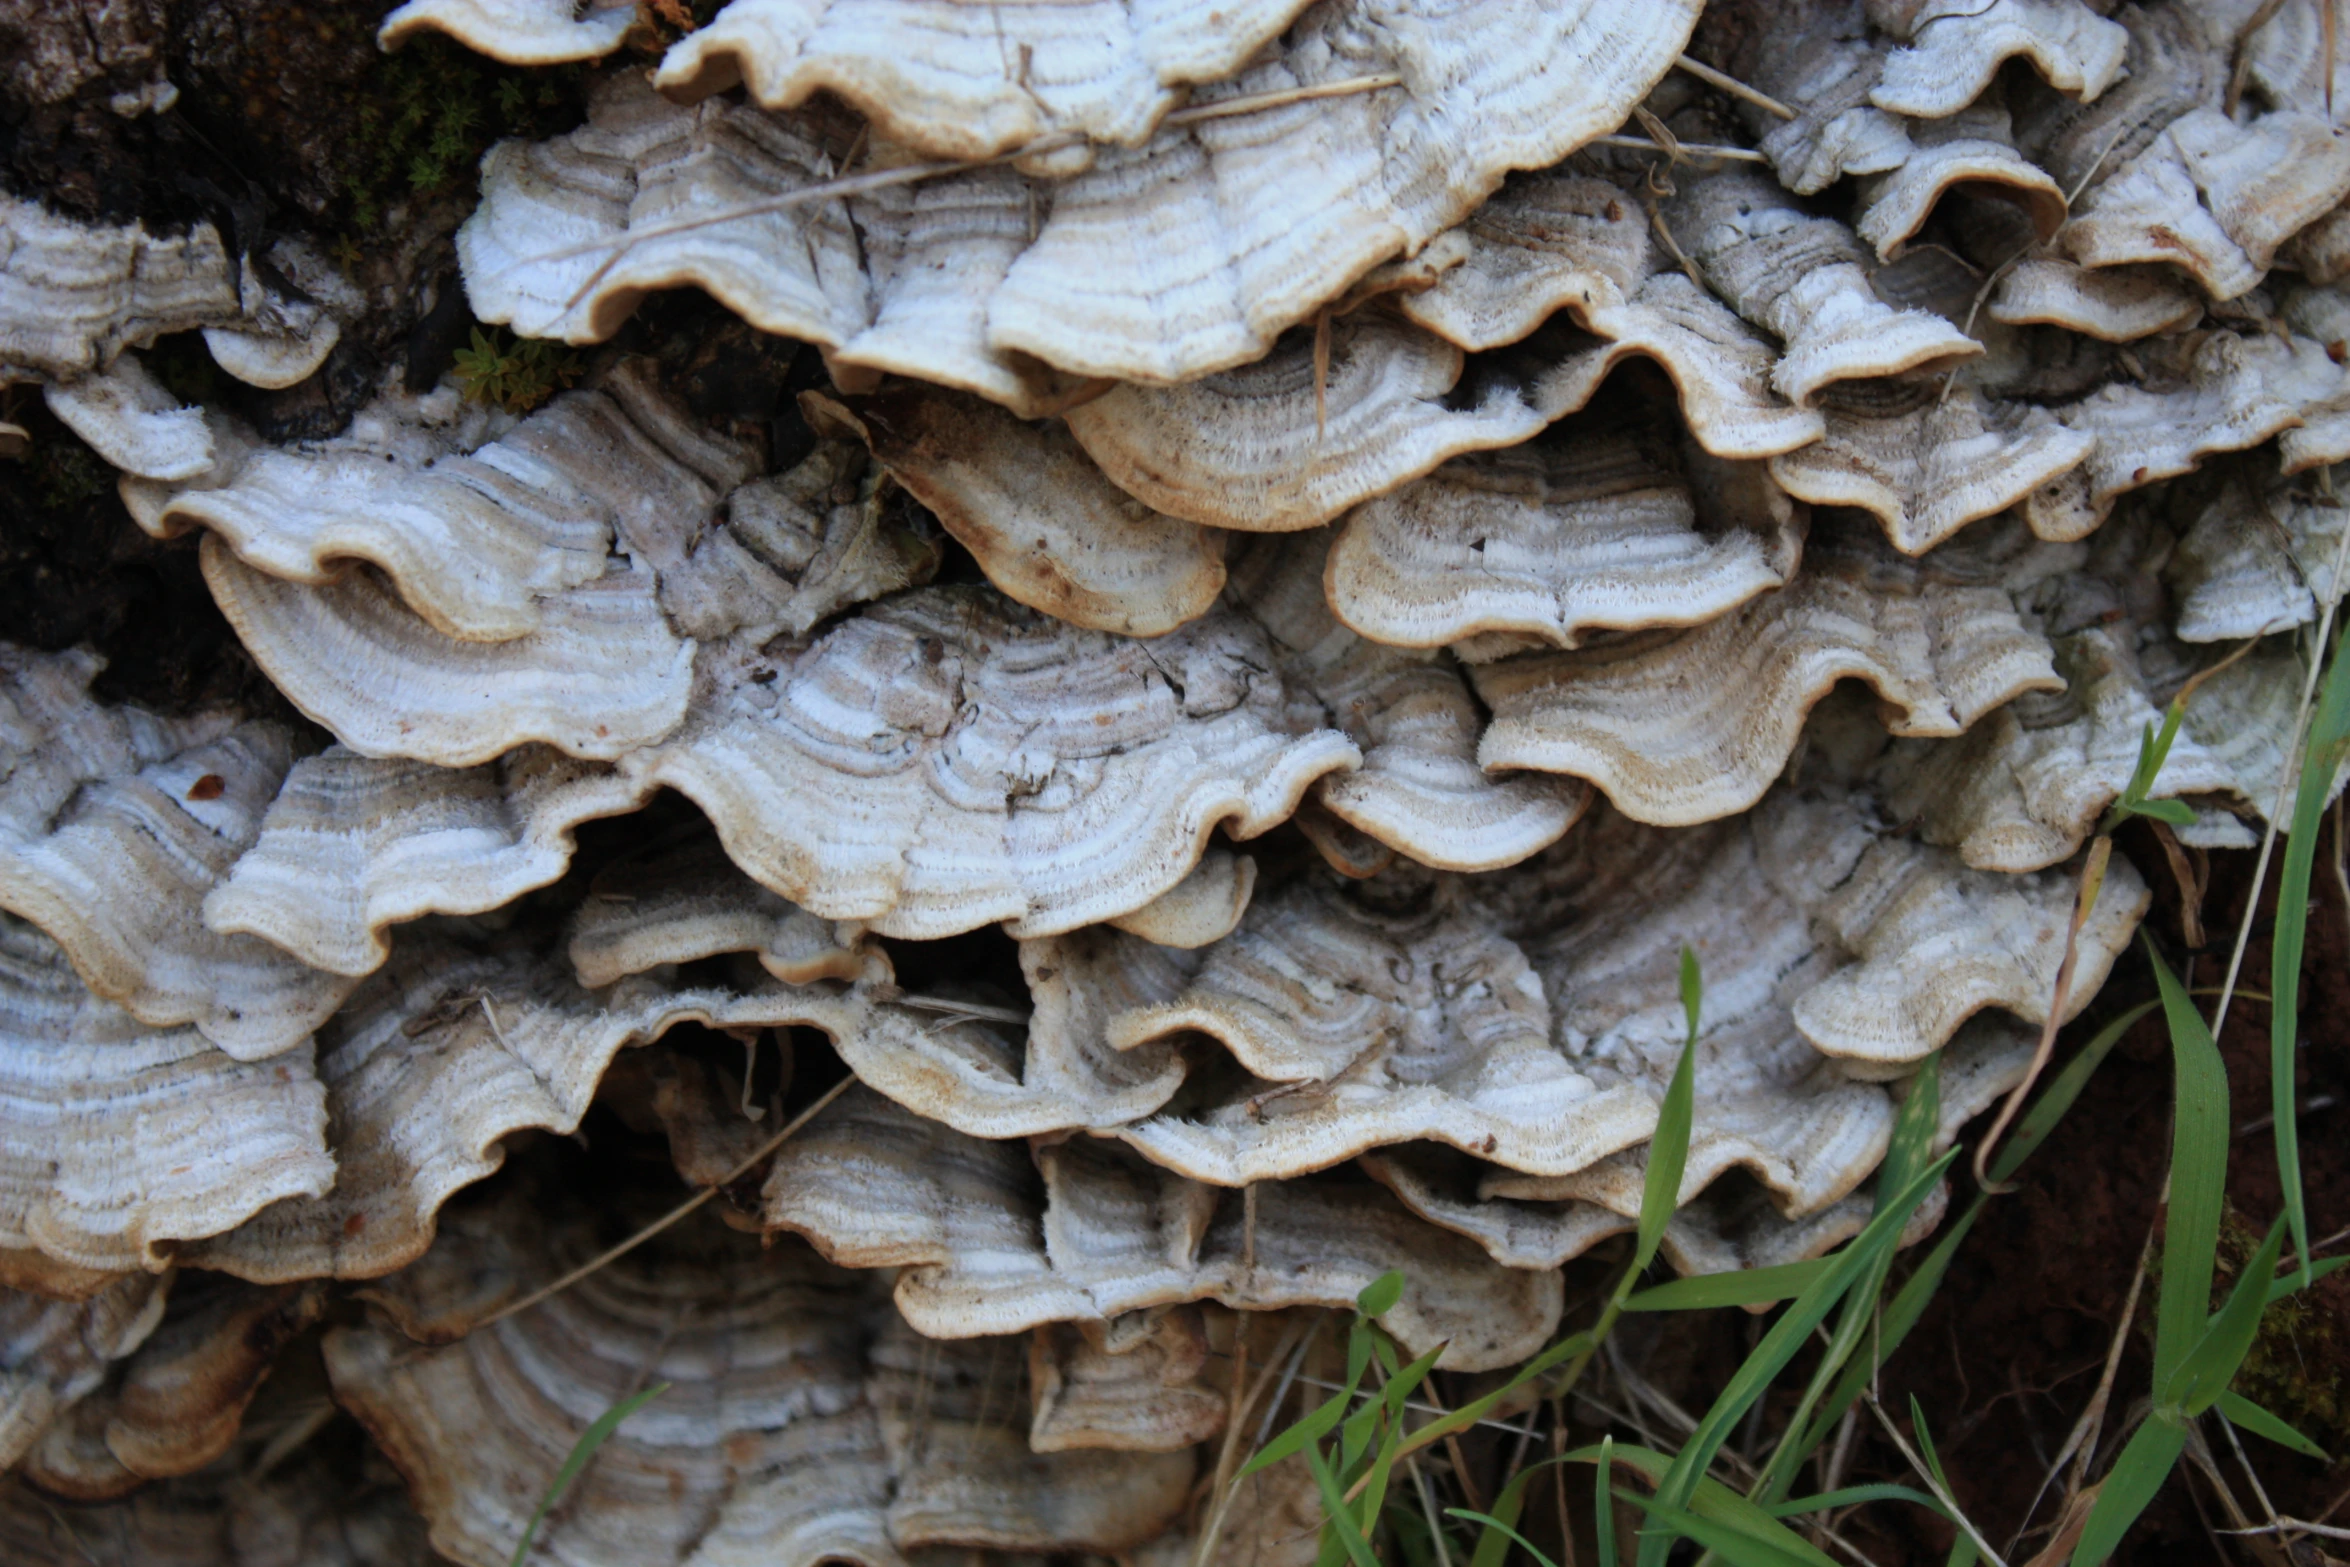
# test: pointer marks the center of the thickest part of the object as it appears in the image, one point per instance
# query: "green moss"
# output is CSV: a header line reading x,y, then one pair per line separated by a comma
x,y
516,374
432,110
67,475
2296,1367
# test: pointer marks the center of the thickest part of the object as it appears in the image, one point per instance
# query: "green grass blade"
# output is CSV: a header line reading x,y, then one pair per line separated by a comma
x,y
1711,1499
1692,990
1493,1540
2241,1411
2301,1278
1315,1426
1668,1151
1355,1433
2040,1117
2321,758
1908,1305
1499,1531
1917,1423
2178,813
1379,1297
1406,1382
2153,750
1390,1405
1603,1503
1853,1496
1785,1338
1912,1144
1746,1287
594,1437
2140,1471
1413,1542
1318,1422
1732,1544
1338,1518
1478,1408
2211,1365
2198,1177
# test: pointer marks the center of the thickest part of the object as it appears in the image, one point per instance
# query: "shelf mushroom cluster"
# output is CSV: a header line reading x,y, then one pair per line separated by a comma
x,y
1324,545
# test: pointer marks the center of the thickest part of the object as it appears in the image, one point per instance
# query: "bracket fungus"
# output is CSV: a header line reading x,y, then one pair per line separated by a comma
x,y
175,1402
1522,1222
354,845
1803,279
930,76
59,1351
305,1512
1292,202
1419,788
983,1250
796,1422
1120,734
1597,527
1041,520
124,1138
1297,437
1953,48
74,296
1926,463
1688,726
116,824
519,32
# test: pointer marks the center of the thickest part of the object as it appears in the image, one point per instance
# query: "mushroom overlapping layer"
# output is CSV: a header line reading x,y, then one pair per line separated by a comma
x,y
123,1138
74,296
2027,788
520,32
930,75
59,1350
354,845
1288,203
1491,1015
115,825
1688,726
1737,1222
799,1418
1044,524
1317,574
452,1049
1588,530
308,1511
175,1402
989,1241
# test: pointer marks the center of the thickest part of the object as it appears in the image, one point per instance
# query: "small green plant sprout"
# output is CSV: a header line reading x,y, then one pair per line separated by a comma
x,y
2135,800
1354,1479
593,1438
516,374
